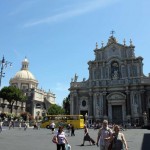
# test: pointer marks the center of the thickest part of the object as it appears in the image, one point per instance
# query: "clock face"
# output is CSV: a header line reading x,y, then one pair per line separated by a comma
x,y
83,103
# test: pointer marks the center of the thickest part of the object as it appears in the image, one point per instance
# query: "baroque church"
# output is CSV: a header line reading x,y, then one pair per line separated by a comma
x,y
116,89
38,100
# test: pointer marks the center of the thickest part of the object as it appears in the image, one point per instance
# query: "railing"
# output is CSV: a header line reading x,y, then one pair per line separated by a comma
x,y
145,80
111,82
79,84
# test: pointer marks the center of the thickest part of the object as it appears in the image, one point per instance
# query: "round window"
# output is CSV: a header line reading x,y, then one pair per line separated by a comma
x,y
83,103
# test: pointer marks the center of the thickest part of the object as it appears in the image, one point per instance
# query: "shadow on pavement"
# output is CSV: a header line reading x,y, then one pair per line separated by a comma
x,y
146,142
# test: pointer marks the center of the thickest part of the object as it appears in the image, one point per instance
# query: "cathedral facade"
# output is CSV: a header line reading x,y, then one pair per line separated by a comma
x,y
116,89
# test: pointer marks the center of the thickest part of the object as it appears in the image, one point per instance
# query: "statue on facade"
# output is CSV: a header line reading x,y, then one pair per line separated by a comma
x,y
115,70
115,75
75,78
71,79
83,79
135,108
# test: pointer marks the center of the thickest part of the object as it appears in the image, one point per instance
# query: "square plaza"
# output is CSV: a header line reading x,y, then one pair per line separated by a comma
x,y
15,139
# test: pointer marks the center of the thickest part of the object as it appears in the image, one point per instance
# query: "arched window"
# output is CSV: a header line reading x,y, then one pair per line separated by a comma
x,y
38,105
114,70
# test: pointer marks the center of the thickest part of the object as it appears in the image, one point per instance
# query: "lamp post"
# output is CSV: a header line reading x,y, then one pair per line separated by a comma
x,y
4,64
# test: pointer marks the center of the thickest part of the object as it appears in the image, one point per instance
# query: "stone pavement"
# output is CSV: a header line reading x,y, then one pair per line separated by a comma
x,y
15,139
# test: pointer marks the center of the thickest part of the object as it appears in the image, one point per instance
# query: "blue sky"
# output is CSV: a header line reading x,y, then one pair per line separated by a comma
x,y
58,36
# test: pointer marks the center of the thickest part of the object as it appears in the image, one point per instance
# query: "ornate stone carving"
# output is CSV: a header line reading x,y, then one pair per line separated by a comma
x,y
115,70
116,96
84,103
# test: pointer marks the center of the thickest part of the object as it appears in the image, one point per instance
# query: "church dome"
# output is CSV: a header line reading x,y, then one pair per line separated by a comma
x,y
24,74
24,79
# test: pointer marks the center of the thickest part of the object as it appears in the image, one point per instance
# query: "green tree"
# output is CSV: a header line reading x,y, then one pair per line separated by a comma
x,y
66,105
12,95
55,110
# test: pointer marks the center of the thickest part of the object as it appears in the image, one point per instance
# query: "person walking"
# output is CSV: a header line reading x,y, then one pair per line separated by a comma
x,y
68,129
117,139
52,127
25,126
87,137
1,124
61,139
104,133
10,125
72,130
20,125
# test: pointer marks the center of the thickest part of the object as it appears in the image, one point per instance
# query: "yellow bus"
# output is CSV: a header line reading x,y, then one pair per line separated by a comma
x,y
62,120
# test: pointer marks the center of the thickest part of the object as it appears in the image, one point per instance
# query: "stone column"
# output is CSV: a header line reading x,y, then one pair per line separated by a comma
x,y
90,104
76,106
71,104
128,104
110,111
101,105
143,105
94,105
104,105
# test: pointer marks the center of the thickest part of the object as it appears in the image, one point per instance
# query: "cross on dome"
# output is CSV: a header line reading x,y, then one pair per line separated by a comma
x,y
112,32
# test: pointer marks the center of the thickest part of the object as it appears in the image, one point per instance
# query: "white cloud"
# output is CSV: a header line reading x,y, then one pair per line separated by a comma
x,y
78,10
22,7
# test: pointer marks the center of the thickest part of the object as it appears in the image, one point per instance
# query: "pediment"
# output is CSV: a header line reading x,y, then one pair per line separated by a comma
x,y
113,50
116,96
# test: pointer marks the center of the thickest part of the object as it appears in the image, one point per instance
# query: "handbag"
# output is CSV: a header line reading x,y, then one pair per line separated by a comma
x,y
55,140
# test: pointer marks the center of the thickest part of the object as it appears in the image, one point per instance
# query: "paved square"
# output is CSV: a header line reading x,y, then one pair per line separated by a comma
x,y
30,139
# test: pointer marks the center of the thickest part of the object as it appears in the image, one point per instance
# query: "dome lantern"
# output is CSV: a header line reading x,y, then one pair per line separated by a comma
x,y
25,64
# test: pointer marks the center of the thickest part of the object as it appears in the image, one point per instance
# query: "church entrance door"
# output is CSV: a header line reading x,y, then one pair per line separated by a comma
x,y
117,114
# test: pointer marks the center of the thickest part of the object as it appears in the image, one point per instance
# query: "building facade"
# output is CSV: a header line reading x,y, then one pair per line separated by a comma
x,y
38,100
116,89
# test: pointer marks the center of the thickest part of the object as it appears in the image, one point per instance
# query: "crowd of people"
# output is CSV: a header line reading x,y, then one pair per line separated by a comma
x,y
20,124
107,138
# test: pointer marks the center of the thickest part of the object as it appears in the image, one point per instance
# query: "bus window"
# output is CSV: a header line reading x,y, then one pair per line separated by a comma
x,y
45,119
81,117
75,118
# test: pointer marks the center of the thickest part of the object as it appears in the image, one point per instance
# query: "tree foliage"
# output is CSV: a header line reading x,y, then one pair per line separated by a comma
x,y
55,110
12,94
66,105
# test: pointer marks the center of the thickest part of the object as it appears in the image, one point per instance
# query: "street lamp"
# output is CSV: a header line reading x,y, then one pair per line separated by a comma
x,y
4,64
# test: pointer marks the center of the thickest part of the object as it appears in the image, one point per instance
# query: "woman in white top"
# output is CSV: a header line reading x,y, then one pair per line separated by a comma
x,y
61,139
